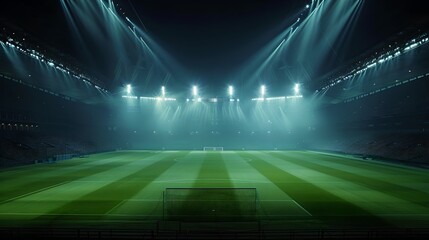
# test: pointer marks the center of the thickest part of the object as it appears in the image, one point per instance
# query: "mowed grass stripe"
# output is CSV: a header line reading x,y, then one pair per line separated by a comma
x,y
42,168
371,168
398,191
23,184
64,167
38,170
212,168
370,165
319,202
104,199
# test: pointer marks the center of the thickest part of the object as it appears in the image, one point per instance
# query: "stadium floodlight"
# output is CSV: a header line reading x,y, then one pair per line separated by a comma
x,y
276,98
230,91
130,97
163,91
263,90
128,88
295,96
194,91
296,88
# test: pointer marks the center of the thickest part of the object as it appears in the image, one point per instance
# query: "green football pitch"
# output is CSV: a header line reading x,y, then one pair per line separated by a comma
x,y
296,189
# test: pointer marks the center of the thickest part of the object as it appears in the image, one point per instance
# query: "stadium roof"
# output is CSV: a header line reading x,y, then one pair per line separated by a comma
x,y
207,42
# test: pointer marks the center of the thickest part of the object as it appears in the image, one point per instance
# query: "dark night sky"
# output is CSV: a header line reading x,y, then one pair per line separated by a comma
x,y
210,35
213,36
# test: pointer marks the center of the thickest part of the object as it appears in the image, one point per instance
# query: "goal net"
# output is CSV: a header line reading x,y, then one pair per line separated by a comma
x,y
213,148
210,204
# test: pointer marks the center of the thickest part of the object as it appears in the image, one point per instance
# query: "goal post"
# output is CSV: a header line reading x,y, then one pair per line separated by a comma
x,y
213,149
210,204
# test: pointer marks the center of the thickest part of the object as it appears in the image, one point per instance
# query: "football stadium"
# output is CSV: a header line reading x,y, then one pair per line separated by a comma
x,y
215,119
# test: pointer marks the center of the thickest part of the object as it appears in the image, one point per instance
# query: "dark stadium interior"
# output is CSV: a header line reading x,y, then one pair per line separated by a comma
x,y
88,121
361,68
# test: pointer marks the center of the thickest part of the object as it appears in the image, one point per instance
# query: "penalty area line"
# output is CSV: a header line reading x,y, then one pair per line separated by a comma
x,y
116,206
290,200
305,210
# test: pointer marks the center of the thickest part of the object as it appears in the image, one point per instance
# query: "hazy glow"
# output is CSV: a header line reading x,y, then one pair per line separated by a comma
x,y
128,88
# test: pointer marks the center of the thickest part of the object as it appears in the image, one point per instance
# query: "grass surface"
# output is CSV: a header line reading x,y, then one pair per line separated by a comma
x,y
296,189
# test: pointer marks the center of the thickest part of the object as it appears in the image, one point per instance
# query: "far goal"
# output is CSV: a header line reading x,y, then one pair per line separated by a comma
x,y
213,148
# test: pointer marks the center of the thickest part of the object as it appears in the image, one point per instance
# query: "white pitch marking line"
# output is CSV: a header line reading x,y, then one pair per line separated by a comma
x,y
75,214
183,180
146,215
276,200
116,206
302,208
33,192
291,200
403,214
